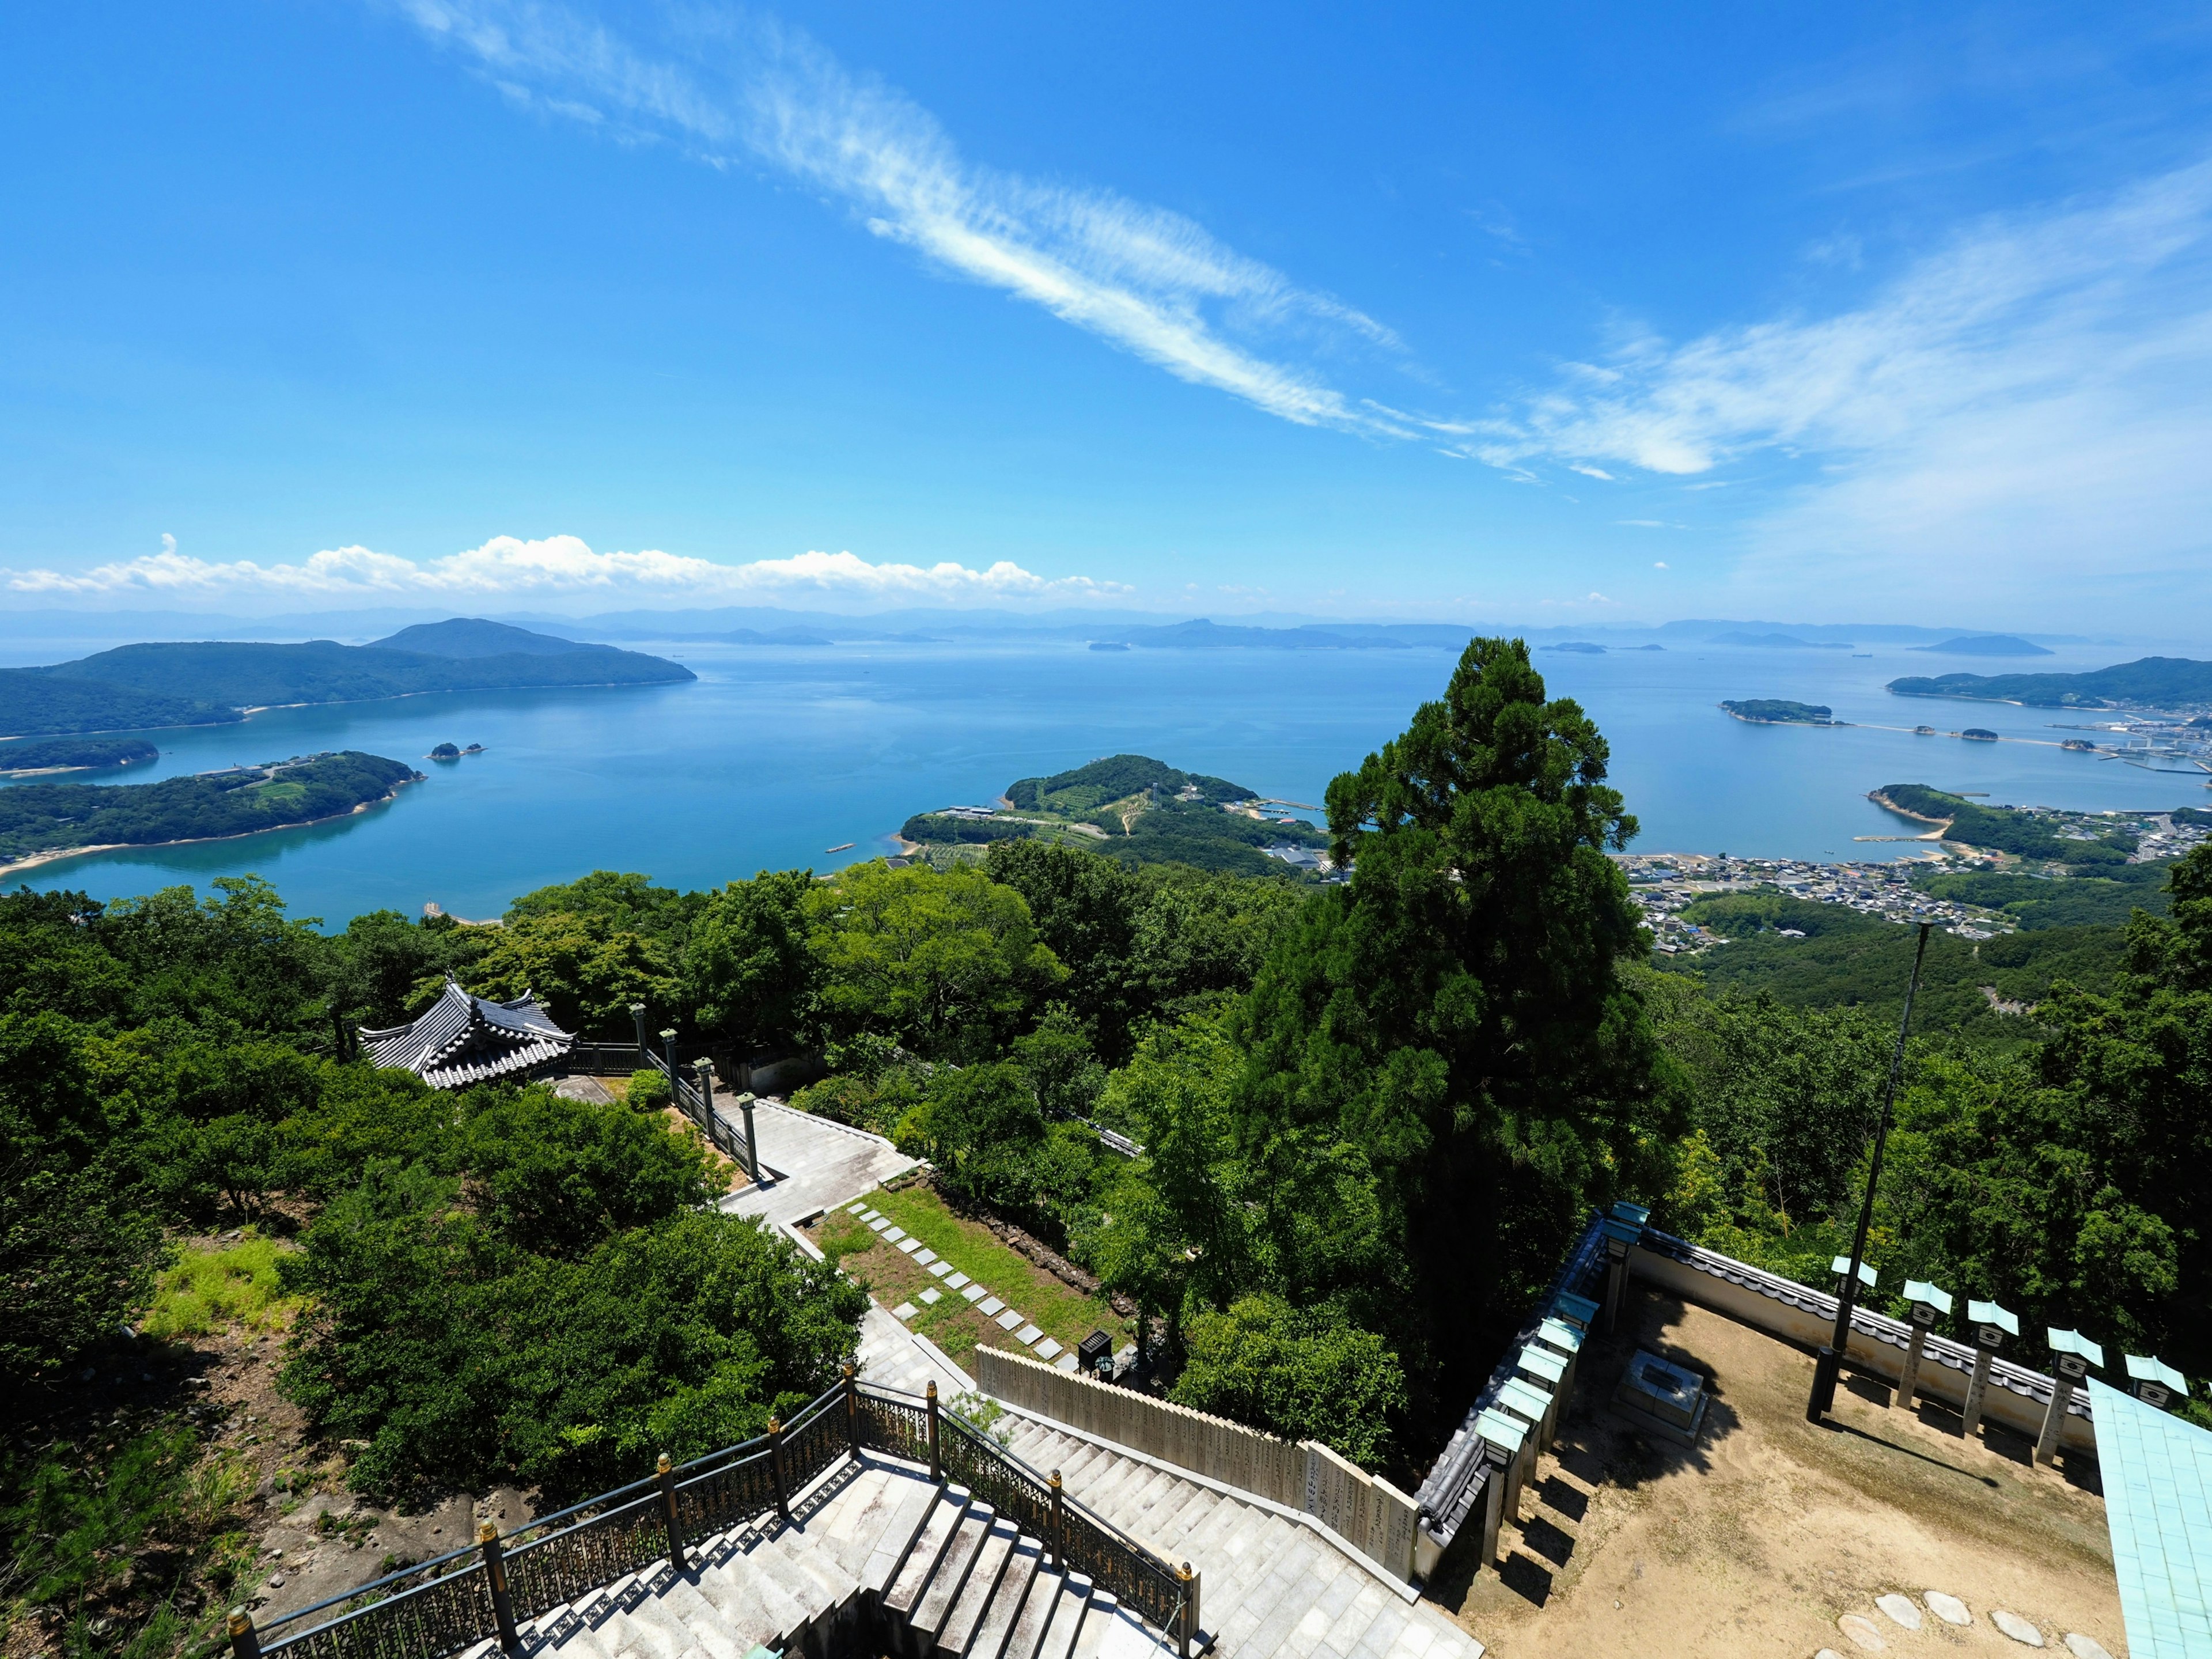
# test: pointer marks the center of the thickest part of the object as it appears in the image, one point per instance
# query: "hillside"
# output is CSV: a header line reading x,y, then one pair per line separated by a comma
x,y
55,817
1137,810
2159,681
136,686
2007,830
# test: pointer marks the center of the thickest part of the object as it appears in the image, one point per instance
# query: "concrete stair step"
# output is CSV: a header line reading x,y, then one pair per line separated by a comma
x,y
1047,1587
936,1605
920,1565
1016,1580
1069,1609
973,1605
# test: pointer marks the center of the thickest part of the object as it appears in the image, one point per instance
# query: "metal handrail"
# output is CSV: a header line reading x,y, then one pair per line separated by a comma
x,y
558,1557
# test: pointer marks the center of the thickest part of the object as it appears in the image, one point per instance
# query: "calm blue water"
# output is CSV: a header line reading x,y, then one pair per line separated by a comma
x,y
776,755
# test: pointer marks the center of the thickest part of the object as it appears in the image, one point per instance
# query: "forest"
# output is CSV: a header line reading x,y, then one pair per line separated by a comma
x,y
74,753
1372,1114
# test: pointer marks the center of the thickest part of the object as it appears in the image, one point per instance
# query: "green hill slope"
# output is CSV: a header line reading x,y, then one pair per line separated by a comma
x,y
2158,680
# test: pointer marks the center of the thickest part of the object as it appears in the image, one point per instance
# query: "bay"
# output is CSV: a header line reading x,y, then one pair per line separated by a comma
x,y
776,754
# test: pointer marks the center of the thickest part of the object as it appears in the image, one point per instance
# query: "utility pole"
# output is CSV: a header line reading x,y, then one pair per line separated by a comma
x,y
1831,1363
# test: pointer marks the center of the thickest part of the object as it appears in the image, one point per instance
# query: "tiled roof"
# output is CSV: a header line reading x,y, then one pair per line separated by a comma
x,y
463,1039
2157,1476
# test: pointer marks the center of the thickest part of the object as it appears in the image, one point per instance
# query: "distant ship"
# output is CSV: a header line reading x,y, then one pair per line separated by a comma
x,y
843,847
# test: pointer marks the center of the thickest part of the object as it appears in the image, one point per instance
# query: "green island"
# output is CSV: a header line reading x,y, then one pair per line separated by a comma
x,y
140,687
243,1271
2151,682
1778,711
39,822
1134,809
74,755
2073,839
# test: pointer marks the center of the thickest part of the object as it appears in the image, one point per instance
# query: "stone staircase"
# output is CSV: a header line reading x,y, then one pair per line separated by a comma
x,y
1268,1585
875,1560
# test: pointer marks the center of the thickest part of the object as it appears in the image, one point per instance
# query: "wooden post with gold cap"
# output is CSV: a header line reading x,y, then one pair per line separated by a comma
x,y
244,1640
1057,1542
665,1472
502,1604
852,1409
936,1465
775,1469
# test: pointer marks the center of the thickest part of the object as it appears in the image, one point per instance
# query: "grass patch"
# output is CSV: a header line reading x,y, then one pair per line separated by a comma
x,y
280,794
1064,1313
209,1291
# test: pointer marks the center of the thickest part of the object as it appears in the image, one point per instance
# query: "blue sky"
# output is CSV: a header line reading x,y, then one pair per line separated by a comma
x,y
1567,314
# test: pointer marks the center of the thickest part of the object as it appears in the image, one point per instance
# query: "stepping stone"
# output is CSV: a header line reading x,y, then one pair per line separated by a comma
x,y
1861,1631
991,1307
1949,1608
931,1298
974,1292
871,1213
2016,1627
891,1236
1007,1320
1066,1363
924,1257
939,1269
1027,1335
878,1224
907,1246
1049,1349
905,1310
859,1210
1898,1610
2085,1647
957,1282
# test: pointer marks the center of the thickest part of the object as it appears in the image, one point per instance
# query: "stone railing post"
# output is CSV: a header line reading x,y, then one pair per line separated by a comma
x,y
852,1409
666,1473
244,1640
703,1078
1927,1302
668,1058
936,1467
2076,1353
637,1019
752,1140
1056,1542
775,1470
502,1604
1992,1325
1187,1620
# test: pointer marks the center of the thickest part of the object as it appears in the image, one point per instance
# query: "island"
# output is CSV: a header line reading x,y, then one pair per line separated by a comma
x,y
1779,711
2149,681
24,760
2075,839
143,687
1978,734
1138,810
1984,645
41,822
1582,647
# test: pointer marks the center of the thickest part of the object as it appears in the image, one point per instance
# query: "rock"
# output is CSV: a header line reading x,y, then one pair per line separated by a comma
x,y
1827,1653
1861,1631
2016,1627
1898,1610
2085,1647
1949,1608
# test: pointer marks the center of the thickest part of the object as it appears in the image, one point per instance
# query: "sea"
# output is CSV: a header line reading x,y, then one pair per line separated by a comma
x,y
787,757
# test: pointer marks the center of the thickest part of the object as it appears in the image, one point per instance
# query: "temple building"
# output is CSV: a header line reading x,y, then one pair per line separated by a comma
x,y
464,1039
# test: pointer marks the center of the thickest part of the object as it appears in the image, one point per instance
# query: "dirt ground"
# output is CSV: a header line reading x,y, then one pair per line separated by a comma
x,y
1758,1539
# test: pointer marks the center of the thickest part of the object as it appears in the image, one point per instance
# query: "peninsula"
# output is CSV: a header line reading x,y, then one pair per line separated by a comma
x,y
2076,840
41,822
1135,809
23,760
2150,682
1779,711
137,687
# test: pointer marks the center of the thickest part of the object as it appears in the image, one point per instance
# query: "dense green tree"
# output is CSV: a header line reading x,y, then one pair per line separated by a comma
x,y
1445,1065
387,967
748,973
587,976
948,965
1304,1373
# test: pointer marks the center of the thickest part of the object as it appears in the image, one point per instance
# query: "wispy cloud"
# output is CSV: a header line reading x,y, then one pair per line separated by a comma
x,y
508,566
1148,281
2042,385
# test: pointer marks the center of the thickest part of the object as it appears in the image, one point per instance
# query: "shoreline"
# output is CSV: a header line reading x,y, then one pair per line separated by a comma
x,y
32,861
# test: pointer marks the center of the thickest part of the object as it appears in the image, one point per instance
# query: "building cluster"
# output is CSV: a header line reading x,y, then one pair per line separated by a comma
x,y
1665,885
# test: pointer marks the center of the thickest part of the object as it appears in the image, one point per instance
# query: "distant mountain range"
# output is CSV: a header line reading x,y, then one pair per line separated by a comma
x,y
141,687
2157,681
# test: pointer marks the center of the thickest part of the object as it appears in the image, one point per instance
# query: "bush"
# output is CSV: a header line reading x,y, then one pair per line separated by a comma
x,y
648,1091
1304,1374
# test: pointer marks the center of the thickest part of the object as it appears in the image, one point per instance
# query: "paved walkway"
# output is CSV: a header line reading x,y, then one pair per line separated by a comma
x,y
809,1164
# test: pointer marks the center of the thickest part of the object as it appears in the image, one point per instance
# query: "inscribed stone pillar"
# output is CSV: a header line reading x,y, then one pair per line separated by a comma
x,y
1993,1325
2076,1353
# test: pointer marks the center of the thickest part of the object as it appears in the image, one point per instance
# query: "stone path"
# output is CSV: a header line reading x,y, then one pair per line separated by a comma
x,y
816,1163
1904,1612
1016,1325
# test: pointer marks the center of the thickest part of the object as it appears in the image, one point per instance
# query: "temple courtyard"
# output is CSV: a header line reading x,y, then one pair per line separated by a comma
x,y
1773,1537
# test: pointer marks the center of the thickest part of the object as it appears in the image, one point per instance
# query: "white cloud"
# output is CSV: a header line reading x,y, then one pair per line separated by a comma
x,y
1148,281
1659,564
507,566
1590,472
2039,391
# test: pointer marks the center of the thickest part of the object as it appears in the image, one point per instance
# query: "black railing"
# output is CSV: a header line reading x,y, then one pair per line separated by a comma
x,y
441,1607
